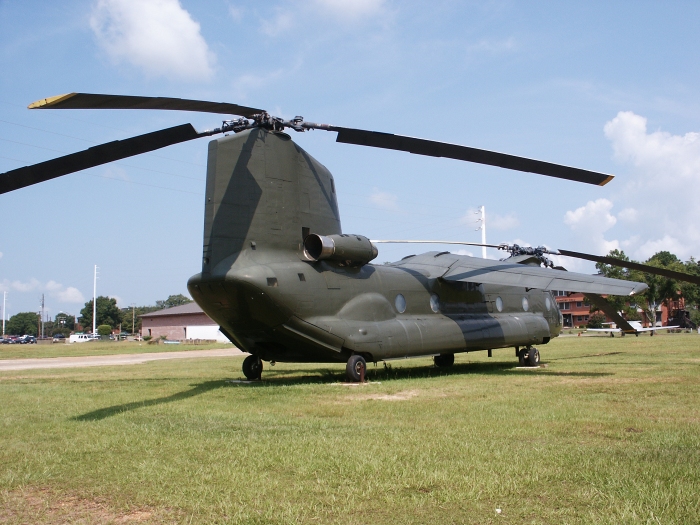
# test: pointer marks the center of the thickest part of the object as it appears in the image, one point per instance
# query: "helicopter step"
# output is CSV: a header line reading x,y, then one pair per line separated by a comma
x,y
528,356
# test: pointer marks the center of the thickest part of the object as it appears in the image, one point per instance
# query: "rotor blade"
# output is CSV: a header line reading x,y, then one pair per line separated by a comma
x,y
96,101
437,242
671,274
432,148
610,311
97,155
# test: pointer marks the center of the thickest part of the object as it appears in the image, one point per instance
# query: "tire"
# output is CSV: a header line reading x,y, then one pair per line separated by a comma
x,y
521,357
252,367
356,368
533,357
444,360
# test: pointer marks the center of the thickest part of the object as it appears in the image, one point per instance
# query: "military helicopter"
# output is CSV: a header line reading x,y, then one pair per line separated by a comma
x,y
286,284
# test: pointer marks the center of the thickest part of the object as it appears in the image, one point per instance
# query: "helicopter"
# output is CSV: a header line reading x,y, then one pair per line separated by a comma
x,y
286,284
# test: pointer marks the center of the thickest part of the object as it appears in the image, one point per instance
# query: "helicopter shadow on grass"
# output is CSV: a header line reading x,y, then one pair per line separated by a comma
x,y
390,373
103,413
321,376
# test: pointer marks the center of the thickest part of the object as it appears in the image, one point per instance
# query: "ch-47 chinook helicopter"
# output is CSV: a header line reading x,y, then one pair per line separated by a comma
x,y
286,284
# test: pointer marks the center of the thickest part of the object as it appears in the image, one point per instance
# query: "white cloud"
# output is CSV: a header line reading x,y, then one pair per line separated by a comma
x,y
29,286
501,222
236,13
157,36
628,215
55,290
494,46
64,294
384,200
661,191
342,12
355,9
590,222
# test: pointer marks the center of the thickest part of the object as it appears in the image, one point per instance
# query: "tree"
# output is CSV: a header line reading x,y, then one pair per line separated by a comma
x,y
135,313
107,312
619,302
23,323
596,320
173,300
661,289
104,329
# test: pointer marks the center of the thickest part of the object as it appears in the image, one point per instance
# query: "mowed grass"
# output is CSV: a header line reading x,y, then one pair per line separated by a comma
x,y
609,432
97,348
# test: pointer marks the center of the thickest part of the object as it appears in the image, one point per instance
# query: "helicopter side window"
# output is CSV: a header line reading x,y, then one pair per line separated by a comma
x,y
547,303
499,304
435,303
526,304
400,303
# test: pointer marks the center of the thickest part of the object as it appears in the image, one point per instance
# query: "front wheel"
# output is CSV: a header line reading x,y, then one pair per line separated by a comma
x,y
356,368
252,367
533,357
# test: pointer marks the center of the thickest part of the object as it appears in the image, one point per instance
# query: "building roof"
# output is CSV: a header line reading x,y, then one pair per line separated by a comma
x,y
184,309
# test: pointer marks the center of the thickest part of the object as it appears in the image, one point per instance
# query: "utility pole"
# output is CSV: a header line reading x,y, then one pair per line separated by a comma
x,y
133,317
94,303
4,301
42,316
483,229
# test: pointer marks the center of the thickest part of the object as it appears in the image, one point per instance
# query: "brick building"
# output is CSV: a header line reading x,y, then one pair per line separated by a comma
x,y
181,323
576,310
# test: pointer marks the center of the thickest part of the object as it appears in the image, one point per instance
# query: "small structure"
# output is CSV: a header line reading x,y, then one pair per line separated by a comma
x,y
181,323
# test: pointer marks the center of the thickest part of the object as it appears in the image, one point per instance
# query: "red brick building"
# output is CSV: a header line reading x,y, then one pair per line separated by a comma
x,y
181,323
576,311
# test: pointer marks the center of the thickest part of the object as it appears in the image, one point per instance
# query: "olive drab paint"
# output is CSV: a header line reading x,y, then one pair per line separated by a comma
x,y
264,195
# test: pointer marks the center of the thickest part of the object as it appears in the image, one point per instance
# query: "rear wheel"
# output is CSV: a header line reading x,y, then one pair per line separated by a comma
x,y
521,356
533,357
252,367
444,360
356,368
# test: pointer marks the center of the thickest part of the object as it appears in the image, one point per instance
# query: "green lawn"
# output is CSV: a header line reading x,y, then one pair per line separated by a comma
x,y
96,348
609,432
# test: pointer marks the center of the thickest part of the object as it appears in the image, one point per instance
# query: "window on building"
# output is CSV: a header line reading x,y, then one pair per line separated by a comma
x,y
579,304
580,318
565,306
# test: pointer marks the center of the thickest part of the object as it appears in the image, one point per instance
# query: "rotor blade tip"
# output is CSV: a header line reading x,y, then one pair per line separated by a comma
x,y
608,179
50,101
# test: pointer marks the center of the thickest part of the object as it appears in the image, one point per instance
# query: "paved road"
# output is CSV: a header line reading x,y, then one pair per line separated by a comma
x,y
111,360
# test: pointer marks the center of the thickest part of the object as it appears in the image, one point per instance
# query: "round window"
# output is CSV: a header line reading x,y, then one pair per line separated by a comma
x,y
547,303
435,303
499,304
526,305
400,303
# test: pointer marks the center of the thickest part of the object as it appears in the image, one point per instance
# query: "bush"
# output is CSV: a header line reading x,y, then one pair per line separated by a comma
x,y
147,338
596,320
104,329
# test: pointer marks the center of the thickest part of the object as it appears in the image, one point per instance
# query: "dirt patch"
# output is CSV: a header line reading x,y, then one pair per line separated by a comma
x,y
31,505
398,396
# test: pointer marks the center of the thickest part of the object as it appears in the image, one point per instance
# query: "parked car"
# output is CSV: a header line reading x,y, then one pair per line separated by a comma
x,y
59,338
10,340
29,340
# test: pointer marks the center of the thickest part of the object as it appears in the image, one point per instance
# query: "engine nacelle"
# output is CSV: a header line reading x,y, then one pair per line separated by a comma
x,y
350,249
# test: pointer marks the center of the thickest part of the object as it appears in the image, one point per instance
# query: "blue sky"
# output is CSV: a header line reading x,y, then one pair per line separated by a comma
x,y
606,86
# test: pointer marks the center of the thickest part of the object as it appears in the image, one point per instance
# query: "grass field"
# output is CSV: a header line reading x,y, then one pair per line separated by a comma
x,y
609,432
96,348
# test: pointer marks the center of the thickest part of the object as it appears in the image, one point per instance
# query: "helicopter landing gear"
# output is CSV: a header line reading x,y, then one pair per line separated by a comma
x,y
528,356
356,368
444,360
252,368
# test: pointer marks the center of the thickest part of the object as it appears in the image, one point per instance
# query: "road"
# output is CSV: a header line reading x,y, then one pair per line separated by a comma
x,y
111,360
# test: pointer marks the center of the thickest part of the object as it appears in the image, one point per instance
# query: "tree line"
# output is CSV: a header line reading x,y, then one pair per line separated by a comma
x,y
662,290
108,313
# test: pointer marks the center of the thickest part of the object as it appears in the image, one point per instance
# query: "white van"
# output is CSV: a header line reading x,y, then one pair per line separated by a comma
x,y
82,338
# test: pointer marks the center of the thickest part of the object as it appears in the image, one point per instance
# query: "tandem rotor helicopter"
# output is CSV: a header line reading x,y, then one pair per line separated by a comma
x,y
286,284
